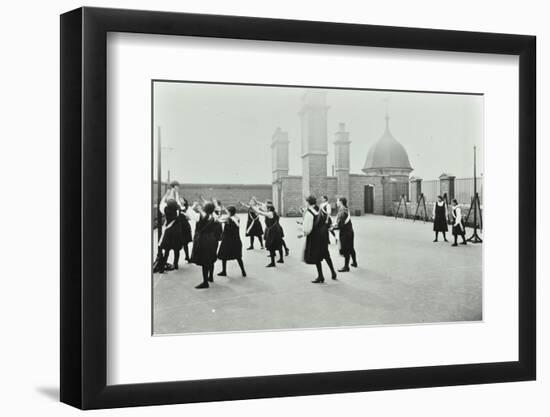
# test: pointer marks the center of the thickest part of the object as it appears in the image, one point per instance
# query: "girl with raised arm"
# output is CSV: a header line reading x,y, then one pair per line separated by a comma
x,y
205,241
173,192
268,204
231,247
185,227
171,238
253,225
316,249
273,232
439,215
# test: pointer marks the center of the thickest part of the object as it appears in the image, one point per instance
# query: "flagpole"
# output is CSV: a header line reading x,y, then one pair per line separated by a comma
x,y
159,184
475,205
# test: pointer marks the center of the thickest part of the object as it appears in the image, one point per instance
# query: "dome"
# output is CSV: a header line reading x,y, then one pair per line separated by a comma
x,y
387,152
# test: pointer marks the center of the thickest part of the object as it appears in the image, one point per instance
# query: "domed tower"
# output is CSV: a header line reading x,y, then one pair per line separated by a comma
x,y
387,166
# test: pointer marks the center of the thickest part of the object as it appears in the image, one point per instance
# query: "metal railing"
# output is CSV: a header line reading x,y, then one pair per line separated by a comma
x,y
464,189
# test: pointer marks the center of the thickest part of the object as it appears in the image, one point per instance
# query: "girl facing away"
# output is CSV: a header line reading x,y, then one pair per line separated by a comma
x,y
273,233
205,241
231,247
254,228
439,215
316,232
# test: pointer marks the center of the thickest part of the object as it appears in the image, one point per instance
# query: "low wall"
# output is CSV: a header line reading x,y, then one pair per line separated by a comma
x,y
228,194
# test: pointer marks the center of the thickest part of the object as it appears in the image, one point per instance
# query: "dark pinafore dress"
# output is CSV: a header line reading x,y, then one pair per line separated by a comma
x,y
171,235
316,248
273,233
440,219
205,242
346,233
459,229
253,224
185,228
231,246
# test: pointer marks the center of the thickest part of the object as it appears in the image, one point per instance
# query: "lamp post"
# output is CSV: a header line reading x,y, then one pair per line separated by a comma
x,y
169,149
475,205
160,148
159,184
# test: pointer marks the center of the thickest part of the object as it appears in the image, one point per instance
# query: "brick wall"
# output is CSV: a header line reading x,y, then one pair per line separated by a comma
x,y
357,194
276,194
291,196
343,183
383,194
228,194
332,190
314,170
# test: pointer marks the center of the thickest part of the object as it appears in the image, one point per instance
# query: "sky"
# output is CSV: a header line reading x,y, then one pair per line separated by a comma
x,y
215,133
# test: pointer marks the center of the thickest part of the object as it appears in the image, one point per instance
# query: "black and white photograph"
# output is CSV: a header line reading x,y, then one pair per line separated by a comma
x,y
281,207
270,209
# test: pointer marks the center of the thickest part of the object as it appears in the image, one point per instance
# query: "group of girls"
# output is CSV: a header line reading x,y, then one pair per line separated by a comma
x,y
440,214
216,235
274,234
317,224
176,230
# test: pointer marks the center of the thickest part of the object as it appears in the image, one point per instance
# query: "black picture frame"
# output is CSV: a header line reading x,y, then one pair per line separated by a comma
x,y
84,207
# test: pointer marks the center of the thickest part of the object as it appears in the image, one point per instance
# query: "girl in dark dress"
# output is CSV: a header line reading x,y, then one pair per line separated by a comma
x,y
253,226
458,224
439,215
268,204
231,247
171,238
205,242
343,224
316,232
273,233
185,227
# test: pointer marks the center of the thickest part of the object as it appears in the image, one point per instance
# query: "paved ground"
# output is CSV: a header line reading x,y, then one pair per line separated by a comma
x,y
403,277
